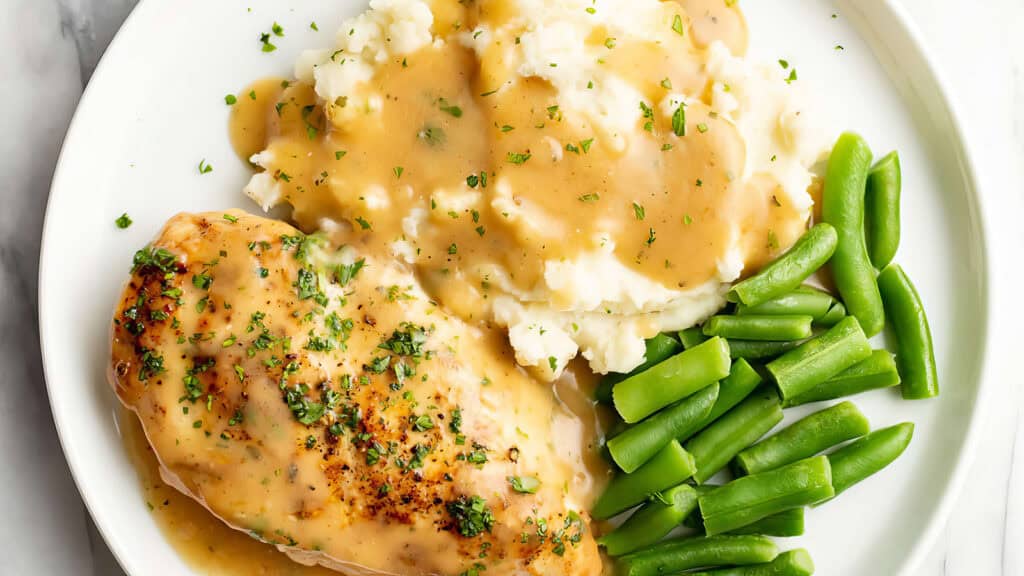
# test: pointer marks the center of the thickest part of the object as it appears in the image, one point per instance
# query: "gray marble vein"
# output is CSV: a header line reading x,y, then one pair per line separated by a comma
x,y
51,48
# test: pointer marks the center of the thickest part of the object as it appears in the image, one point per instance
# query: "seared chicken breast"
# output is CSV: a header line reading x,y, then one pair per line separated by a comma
x,y
318,400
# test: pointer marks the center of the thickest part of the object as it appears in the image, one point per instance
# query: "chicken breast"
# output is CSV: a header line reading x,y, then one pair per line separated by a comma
x,y
318,400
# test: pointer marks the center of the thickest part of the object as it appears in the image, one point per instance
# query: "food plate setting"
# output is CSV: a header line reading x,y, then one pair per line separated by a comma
x,y
516,287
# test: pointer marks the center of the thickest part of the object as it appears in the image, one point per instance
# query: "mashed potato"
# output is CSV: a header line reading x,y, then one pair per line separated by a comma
x,y
585,173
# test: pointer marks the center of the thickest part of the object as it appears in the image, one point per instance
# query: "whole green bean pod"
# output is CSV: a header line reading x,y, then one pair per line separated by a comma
x,y
877,371
803,301
836,313
691,337
804,438
669,467
869,454
682,554
808,254
882,210
740,427
759,327
671,380
843,207
640,442
755,350
915,354
652,521
790,563
741,381
751,498
659,348
819,359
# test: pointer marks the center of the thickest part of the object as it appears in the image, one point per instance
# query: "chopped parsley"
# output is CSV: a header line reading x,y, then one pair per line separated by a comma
x,y
638,211
471,515
123,221
517,157
524,484
677,25
590,197
449,108
204,167
230,99
268,46
679,120
345,273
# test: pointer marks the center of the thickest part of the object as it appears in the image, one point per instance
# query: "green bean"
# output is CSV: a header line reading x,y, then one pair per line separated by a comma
x,y
754,350
659,348
843,207
915,355
882,210
751,498
789,327
682,554
740,427
790,563
669,467
809,253
804,438
836,313
869,454
878,371
784,524
671,380
787,523
652,521
803,301
640,442
691,337
740,382
819,359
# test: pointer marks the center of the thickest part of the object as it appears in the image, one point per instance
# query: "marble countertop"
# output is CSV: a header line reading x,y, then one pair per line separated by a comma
x,y
50,49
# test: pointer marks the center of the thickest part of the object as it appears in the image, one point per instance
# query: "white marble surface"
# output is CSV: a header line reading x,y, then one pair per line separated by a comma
x,y
50,48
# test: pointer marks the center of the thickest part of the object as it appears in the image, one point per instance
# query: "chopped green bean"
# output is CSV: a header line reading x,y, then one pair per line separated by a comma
x,y
803,301
691,337
789,327
659,348
669,467
652,521
751,498
681,554
869,454
836,313
882,210
740,427
819,359
842,206
640,442
878,371
915,355
809,253
790,563
671,380
741,381
754,350
804,438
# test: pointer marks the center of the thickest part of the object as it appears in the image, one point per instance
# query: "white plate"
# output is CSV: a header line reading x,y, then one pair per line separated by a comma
x,y
155,108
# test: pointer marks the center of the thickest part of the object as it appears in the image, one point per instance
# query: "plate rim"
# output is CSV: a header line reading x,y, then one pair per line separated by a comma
x,y
933,74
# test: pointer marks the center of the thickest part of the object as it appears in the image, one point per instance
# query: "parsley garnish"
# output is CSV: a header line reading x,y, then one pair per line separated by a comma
x,y
517,157
123,221
524,484
205,168
472,516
